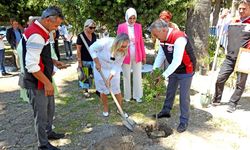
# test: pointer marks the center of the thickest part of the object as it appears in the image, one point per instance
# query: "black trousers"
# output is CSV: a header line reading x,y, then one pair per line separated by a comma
x,y
57,50
226,70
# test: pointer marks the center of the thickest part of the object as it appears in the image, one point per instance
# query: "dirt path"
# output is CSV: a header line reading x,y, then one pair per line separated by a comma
x,y
209,128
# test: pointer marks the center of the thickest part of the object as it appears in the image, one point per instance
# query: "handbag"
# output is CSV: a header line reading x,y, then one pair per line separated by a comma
x,y
81,74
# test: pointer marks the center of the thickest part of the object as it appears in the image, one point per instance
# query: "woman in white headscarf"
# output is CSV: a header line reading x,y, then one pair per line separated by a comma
x,y
135,58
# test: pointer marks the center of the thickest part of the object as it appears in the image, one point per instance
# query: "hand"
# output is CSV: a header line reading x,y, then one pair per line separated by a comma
x,y
60,65
49,89
107,83
158,80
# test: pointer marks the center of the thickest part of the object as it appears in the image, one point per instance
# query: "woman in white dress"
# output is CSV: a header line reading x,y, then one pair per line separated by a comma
x,y
108,55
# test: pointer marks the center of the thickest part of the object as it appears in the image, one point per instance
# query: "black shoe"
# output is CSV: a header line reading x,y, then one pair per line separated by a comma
x,y
55,136
215,102
182,127
162,115
6,74
48,147
231,108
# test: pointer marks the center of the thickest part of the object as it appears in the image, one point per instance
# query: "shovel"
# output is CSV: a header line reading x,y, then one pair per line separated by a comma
x,y
126,121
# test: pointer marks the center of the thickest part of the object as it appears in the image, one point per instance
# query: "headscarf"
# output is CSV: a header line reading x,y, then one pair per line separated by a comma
x,y
130,12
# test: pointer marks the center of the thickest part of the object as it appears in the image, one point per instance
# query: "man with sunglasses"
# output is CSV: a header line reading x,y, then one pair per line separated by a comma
x,y
37,66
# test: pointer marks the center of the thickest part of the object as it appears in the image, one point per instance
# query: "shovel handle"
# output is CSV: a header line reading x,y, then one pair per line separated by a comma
x,y
112,94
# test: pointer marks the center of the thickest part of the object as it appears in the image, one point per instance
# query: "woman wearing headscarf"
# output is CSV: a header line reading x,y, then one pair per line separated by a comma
x,y
135,58
108,55
83,57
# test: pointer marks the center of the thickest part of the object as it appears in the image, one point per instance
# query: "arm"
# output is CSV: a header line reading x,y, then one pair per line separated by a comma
x,y
142,46
78,50
179,47
94,49
8,32
159,58
118,29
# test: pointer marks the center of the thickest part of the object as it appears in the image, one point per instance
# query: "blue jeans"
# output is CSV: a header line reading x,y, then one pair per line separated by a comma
x,y
184,80
2,58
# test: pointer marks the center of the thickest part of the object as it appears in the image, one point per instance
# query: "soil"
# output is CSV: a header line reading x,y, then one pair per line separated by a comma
x,y
209,128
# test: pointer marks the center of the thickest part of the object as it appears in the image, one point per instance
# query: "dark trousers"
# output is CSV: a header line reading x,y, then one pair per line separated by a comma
x,y
184,80
226,70
68,48
44,109
57,50
2,58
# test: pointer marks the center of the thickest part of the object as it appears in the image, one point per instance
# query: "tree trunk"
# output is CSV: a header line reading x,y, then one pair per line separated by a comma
x,y
216,12
197,28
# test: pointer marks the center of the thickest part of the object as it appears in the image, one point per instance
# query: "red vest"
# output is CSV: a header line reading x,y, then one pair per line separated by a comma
x,y
188,60
46,64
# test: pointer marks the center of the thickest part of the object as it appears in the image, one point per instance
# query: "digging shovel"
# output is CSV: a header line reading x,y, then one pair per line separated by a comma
x,y
127,122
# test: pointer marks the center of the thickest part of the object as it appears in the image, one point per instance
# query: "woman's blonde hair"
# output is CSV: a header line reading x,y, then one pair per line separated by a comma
x,y
120,38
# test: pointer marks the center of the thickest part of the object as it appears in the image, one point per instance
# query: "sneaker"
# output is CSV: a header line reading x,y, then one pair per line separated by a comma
x,y
231,108
86,94
182,127
48,147
67,58
105,114
127,100
55,136
162,115
138,100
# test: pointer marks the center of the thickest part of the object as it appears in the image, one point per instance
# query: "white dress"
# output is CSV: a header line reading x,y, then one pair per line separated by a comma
x,y
101,49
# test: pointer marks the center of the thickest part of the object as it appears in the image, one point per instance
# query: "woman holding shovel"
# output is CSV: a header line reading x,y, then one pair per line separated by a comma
x,y
108,55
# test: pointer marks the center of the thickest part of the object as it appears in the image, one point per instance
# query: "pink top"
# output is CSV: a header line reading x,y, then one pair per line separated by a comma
x,y
139,43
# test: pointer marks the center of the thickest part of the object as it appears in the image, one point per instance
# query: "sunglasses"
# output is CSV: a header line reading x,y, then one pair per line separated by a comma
x,y
92,28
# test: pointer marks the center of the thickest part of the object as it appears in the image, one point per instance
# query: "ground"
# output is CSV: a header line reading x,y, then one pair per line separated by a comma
x,y
85,127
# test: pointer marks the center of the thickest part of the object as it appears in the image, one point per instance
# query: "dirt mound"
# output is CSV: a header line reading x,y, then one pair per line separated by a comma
x,y
117,137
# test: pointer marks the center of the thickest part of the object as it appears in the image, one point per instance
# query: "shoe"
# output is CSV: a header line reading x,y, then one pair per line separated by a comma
x,y
127,100
216,104
86,94
55,136
231,108
105,114
138,100
6,74
182,127
162,115
67,58
48,147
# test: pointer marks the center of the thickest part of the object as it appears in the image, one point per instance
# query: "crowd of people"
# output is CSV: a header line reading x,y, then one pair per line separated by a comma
x,y
103,60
